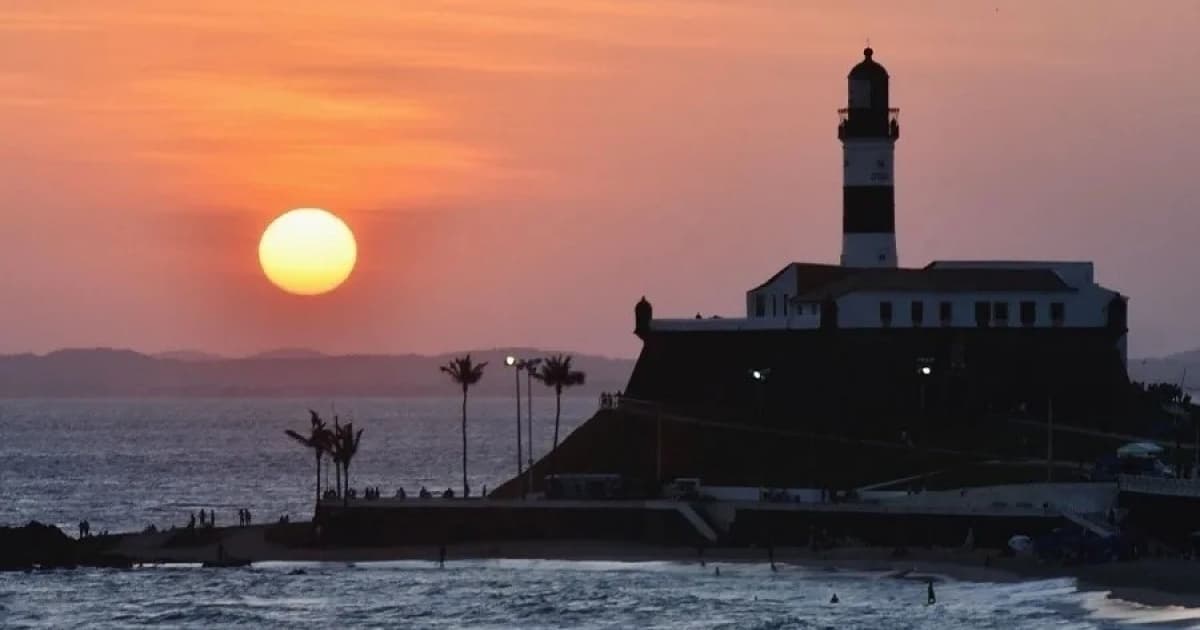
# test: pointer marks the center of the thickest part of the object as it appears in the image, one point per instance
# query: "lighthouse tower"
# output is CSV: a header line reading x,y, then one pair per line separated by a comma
x,y
868,131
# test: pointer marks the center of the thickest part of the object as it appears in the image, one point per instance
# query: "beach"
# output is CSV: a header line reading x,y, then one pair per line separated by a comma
x,y
1174,580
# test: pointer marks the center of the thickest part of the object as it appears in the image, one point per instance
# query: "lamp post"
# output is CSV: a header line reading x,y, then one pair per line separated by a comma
x,y
759,376
924,373
530,366
512,362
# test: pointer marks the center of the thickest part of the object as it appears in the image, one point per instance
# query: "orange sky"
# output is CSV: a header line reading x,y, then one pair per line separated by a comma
x,y
520,172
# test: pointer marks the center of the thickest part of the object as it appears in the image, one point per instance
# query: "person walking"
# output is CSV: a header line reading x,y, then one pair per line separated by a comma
x,y
932,599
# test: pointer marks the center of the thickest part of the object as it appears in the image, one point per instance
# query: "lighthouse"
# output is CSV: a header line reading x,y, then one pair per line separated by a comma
x,y
868,131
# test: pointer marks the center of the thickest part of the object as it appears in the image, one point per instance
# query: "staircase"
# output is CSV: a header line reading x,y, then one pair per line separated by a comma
x,y
1095,523
702,527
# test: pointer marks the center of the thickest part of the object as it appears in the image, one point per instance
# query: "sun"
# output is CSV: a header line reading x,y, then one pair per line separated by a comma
x,y
307,251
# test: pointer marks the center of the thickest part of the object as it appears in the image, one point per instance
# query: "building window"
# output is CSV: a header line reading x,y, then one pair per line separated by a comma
x,y
1058,313
774,307
1028,313
785,301
760,305
918,312
983,314
1000,313
885,313
946,313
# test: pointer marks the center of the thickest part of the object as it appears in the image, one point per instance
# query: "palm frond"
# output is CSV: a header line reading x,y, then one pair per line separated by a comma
x,y
556,372
299,438
463,371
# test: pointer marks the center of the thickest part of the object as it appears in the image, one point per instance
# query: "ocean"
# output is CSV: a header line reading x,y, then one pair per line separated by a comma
x,y
125,464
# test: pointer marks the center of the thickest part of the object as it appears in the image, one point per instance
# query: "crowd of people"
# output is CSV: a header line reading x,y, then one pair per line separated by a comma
x,y
610,400
373,493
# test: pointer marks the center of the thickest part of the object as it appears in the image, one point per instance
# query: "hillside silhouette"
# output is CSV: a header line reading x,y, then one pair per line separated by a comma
x,y
288,372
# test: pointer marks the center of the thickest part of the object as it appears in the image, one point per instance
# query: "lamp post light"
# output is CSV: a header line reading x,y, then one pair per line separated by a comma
x,y
512,362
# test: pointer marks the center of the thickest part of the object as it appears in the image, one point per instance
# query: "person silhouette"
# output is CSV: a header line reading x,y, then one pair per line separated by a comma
x,y
932,599
834,599
442,556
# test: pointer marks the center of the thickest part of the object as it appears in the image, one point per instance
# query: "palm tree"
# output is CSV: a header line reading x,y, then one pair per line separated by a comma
x,y
556,372
345,447
465,373
318,439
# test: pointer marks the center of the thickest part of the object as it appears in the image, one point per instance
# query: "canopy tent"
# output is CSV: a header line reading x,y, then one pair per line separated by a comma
x,y
1139,449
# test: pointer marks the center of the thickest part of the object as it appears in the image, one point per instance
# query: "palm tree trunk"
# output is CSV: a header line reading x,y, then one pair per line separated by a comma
x,y
318,477
337,468
346,494
464,440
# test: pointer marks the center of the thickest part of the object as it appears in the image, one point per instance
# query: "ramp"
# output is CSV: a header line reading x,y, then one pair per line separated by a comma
x,y
702,527
1094,523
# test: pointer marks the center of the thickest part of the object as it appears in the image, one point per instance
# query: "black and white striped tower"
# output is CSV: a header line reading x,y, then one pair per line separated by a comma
x,y
868,131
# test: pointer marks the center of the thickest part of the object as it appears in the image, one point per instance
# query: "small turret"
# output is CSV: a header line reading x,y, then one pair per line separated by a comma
x,y
643,312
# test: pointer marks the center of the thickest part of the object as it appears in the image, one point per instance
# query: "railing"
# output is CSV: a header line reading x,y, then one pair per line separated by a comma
x,y
788,322
1159,485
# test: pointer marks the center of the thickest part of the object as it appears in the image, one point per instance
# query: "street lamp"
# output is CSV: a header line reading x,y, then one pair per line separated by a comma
x,y
759,376
512,362
530,366
924,372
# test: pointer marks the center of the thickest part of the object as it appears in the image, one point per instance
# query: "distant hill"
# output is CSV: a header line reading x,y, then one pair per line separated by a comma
x,y
288,353
188,355
291,372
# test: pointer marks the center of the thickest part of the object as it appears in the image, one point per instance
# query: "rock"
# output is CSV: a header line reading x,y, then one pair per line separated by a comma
x,y
45,546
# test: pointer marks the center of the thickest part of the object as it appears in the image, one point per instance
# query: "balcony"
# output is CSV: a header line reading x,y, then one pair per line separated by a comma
x,y
869,124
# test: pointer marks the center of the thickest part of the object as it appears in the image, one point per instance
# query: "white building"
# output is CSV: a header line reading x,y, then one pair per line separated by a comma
x,y
868,290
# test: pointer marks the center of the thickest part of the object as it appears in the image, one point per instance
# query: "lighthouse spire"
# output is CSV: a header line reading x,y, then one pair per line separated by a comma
x,y
868,131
